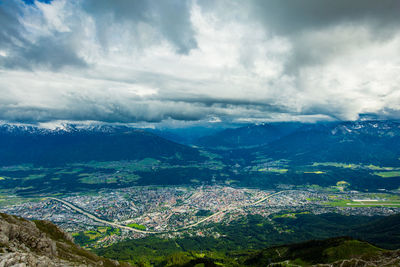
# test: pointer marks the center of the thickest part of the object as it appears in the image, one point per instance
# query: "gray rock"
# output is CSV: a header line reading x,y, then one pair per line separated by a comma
x,y
25,243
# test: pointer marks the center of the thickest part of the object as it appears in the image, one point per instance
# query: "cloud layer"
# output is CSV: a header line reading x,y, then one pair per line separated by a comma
x,y
151,61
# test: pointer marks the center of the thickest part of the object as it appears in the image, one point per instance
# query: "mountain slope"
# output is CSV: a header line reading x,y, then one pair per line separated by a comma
x,y
41,243
19,144
245,239
384,231
329,252
342,251
371,142
248,136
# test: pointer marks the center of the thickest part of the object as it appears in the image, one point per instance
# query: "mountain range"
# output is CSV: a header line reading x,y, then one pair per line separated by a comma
x,y
369,142
35,145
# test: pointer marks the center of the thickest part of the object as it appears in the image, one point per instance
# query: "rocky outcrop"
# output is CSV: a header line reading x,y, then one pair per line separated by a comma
x,y
41,244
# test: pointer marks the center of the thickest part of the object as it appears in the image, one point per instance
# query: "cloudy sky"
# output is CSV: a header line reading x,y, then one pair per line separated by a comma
x,y
205,60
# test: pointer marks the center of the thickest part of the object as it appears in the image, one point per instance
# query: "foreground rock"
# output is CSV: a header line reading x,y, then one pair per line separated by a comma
x,y
41,243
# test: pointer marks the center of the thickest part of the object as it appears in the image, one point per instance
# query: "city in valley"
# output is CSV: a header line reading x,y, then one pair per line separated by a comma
x,y
111,215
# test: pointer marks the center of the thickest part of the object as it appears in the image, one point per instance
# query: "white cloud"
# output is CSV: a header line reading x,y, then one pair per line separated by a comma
x,y
80,62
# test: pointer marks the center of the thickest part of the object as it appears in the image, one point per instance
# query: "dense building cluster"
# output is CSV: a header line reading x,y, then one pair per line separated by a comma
x,y
172,210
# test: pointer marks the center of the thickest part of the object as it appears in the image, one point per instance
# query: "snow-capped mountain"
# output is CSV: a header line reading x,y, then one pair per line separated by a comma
x,y
75,143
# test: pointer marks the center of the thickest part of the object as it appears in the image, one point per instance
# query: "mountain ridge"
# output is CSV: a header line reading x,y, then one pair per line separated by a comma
x,y
35,145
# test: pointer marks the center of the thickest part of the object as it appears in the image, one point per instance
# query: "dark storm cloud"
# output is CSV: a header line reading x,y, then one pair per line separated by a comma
x,y
226,103
299,19
10,26
293,17
79,107
51,52
170,17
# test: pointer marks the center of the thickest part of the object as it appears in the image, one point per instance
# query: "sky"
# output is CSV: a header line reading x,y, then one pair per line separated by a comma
x,y
204,61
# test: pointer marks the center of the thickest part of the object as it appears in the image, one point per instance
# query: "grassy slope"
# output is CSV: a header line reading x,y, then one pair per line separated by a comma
x,y
255,232
303,254
314,252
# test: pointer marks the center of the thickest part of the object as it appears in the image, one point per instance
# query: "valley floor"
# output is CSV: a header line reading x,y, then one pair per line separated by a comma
x,y
109,216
